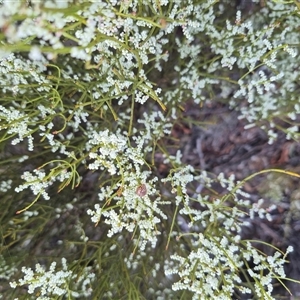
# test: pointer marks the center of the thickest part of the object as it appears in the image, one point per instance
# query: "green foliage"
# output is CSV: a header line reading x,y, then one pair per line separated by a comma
x,y
90,92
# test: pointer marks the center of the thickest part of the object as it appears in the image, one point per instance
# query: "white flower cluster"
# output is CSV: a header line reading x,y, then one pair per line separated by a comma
x,y
202,271
54,283
179,180
17,123
136,203
20,118
5,185
119,57
36,22
269,55
214,211
38,181
155,126
257,208
265,55
17,73
191,80
105,52
265,270
6,271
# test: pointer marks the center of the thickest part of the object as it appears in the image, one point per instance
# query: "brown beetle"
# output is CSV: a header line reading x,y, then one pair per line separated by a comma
x,y
141,190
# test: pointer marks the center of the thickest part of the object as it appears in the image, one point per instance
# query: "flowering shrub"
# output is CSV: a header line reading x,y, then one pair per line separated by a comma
x,y
90,92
